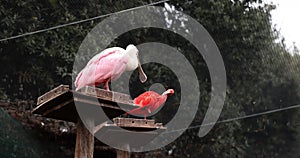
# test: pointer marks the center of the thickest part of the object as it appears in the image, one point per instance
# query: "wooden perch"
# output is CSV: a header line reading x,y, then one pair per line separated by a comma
x,y
59,103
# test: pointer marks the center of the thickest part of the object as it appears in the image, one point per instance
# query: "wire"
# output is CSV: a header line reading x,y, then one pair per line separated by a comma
x,y
238,118
81,21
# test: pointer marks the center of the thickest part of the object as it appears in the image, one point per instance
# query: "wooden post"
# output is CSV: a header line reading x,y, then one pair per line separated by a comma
x,y
84,141
122,154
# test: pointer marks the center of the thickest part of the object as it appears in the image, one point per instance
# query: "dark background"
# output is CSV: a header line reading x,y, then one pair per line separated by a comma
x,y
262,75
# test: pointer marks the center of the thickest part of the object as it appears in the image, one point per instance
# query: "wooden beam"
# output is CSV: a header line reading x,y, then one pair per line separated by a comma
x,y
84,140
57,107
52,94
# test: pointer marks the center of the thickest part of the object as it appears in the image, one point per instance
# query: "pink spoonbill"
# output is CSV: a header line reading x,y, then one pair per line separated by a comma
x,y
109,65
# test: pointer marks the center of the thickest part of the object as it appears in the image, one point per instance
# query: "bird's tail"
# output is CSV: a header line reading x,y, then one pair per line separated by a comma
x,y
77,81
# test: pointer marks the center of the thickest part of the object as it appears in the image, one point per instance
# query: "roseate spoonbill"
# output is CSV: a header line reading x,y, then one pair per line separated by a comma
x,y
109,65
149,102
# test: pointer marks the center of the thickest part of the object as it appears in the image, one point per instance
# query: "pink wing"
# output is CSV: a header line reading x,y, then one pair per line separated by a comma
x,y
108,64
143,110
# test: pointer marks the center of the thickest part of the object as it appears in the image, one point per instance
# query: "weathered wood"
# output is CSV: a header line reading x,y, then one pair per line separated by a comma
x,y
130,124
84,141
137,123
52,94
59,103
59,106
52,98
106,95
122,154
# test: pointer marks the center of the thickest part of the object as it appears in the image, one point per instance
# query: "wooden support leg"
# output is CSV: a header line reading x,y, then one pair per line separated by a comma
x,y
122,154
84,141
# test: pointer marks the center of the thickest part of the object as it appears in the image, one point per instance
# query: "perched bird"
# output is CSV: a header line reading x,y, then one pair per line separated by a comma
x,y
149,102
109,65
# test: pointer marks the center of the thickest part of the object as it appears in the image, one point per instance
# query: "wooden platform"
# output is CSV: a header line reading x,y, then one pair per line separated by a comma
x,y
129,132
62,103
59,103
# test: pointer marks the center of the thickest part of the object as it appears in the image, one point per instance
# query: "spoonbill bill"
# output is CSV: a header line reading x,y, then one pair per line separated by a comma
x,y
109,65
149,102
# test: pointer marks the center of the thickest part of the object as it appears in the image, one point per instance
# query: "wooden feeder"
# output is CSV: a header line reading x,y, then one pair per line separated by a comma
x,y
59,103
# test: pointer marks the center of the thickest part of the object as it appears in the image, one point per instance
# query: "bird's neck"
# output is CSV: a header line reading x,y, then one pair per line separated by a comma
x,y
166,93
132,63
163,98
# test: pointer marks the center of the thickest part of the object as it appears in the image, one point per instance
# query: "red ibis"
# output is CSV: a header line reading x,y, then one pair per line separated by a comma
x,y
149,102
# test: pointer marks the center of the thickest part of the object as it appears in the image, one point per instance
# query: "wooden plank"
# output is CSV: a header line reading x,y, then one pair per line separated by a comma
x,y
52,94
131,124
62,93
84,141
51,101
137,123
106,95
59,103
59,106
66,113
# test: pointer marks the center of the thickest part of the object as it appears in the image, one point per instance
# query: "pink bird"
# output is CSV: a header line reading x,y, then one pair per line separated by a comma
x,y
109,65
149,102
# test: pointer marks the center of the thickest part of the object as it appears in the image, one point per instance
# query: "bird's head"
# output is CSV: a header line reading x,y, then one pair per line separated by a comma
x,y
169,92
134,62
132,51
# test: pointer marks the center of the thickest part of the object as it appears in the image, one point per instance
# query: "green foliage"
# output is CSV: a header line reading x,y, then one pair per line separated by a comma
x,y
42,61
261,73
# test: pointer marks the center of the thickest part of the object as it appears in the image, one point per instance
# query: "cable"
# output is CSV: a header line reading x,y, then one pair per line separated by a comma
x,y
81,21
238,118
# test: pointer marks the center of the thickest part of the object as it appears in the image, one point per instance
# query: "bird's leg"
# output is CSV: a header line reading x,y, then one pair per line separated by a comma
x,y
106,86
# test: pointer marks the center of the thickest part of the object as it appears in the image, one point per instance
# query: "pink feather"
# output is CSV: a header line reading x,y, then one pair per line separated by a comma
x,y
103,67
